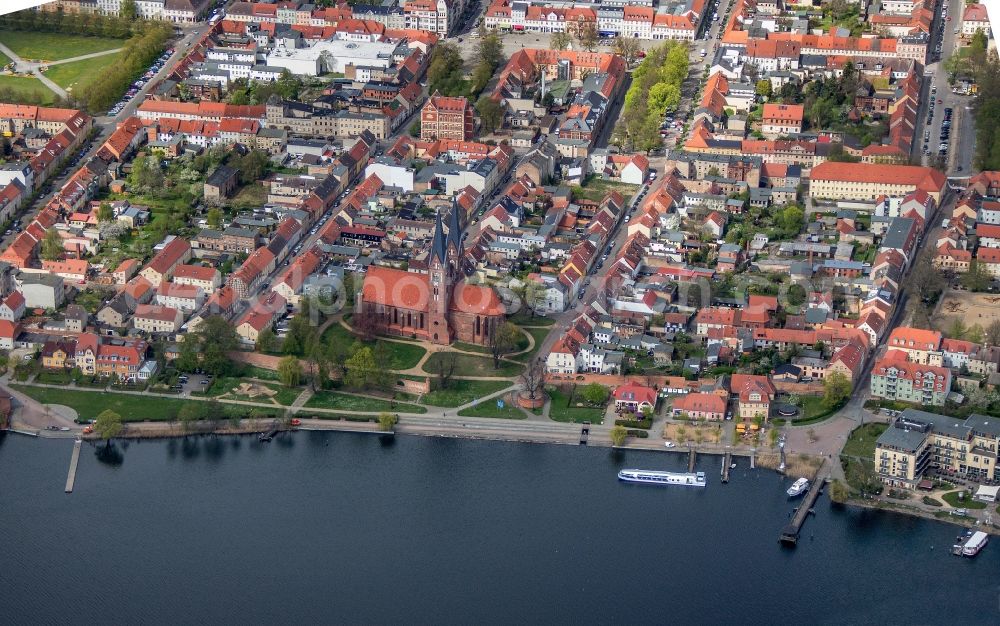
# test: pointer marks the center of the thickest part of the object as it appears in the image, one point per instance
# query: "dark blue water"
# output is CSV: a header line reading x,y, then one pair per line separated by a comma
x,y
349,528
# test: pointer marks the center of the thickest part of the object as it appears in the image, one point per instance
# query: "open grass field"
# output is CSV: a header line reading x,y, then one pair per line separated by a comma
x,y
461,392
78,74
594,189
561,411
50,47
490,409
347,402
539,335
402,355
971,308
469,365
89,404
25,87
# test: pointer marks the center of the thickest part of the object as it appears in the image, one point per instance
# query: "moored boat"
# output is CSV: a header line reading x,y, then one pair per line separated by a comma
x,y
798,488
976,542
651,477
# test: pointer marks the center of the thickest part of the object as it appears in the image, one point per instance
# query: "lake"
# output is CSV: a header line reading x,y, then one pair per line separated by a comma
x,y
325,526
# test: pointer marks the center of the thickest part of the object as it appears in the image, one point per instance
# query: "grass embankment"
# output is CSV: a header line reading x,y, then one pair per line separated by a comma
x,y
469,365
953,499
402,355
562,411
132,408
80,74
55,47
347,402
489,408
27,89
461,392
858,456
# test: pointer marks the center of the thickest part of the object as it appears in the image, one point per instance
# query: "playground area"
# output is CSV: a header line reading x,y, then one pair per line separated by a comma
x,y
971,308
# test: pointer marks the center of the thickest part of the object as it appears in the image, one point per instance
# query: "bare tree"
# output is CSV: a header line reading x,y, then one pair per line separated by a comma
x,y
502,341
446,368
533,378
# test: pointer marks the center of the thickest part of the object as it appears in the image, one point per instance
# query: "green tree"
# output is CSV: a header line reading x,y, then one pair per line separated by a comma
x,y
215,338
977,278
52,247
957,329
502,341
489,49
764,88
587,36
560,40
360,369
105,213
290,371
266,341
628,48
838,492
214,217
796,294
618,435
127,10
993,333
595,394
490,113
386,421
791,218
187,358
836,390
108,424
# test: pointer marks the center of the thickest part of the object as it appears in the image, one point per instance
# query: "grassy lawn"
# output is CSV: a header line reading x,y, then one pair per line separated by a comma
x,y
595,189
402,355
78,74
27,87
539,335
490,409
952,499
525,319
89,404
561,412
469,365
49,47
252,371
4,59
347,402
53,377
522,343
861,443
462,392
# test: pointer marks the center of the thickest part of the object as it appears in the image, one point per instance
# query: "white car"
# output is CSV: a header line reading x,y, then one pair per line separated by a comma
x,y
670,444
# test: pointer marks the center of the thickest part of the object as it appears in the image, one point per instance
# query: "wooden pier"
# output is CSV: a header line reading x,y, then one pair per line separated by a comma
x,y
727,461
74,462
692,457
790,533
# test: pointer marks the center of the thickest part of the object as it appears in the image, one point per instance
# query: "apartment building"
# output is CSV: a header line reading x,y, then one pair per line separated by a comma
x,y
782,119
446,118
894,377
918,441
868,181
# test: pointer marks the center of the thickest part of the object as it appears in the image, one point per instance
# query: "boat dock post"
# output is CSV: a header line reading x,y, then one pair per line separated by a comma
x,y
692,457
726,462
74,461
790,533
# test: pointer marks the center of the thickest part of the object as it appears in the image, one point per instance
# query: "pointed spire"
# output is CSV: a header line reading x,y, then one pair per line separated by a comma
x,y
439,247
454,230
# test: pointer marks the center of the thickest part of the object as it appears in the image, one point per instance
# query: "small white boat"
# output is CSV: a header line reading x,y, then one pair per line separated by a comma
x,y
798,488
662,478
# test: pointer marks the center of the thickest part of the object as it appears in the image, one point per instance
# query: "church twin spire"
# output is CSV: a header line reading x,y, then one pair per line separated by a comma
x,y
443,246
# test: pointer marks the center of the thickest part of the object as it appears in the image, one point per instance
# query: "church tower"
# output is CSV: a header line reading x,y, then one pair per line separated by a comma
x,y
441,277
455,248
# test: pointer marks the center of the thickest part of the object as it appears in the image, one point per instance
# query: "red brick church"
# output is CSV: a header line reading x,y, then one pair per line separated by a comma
x,y
438,306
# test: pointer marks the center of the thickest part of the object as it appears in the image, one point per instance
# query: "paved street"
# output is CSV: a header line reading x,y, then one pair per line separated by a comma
x,y
963,129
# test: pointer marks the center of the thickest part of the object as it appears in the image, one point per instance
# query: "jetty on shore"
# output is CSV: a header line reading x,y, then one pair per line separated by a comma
x,y
74,462
692,458
790,533
727,462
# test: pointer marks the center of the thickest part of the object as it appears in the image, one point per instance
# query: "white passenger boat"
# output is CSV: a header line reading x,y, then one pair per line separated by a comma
x,y
662,478
798,488
976,542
